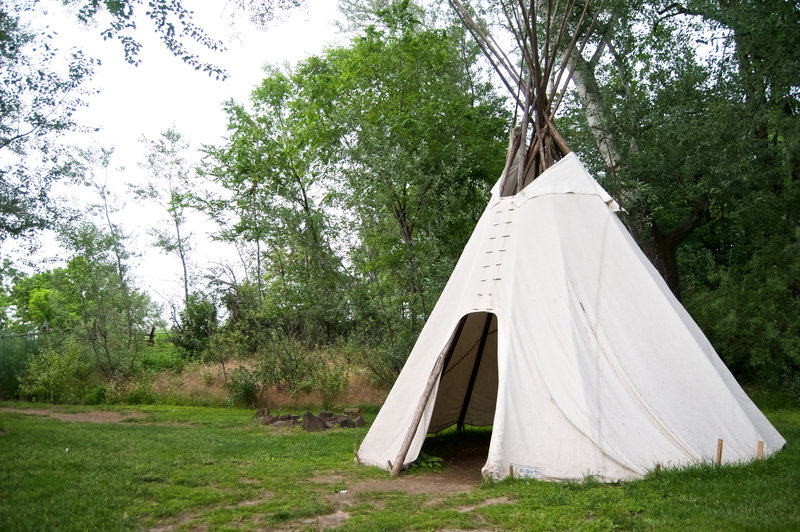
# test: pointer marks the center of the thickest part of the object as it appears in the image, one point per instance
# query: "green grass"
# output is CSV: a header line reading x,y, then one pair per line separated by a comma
x,y
218,468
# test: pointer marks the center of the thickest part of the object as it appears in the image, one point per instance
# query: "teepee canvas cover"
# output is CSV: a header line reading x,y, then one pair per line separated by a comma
x,y
556,330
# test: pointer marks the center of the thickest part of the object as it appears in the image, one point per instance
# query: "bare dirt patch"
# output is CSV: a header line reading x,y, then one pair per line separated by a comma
x,y
487,502
188,517
324,522
462,474
96,416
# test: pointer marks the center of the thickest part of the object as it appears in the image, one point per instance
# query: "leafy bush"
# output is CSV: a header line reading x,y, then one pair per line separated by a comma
x,y
196,326
330,379
288,363
160,358
383,361
49,375
243,386
14,353
793,388
426,462
141,394
96,395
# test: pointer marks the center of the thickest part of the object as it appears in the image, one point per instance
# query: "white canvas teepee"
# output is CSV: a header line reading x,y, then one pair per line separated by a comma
x,y
556,330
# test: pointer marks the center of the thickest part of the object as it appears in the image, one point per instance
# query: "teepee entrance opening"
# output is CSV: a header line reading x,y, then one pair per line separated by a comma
x,y
467,394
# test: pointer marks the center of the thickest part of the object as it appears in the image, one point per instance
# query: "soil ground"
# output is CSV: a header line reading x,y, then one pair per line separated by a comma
x,y
98,416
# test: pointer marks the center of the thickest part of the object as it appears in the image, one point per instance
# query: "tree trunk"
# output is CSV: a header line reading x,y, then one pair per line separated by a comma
x,y
598,115
399,210
662,247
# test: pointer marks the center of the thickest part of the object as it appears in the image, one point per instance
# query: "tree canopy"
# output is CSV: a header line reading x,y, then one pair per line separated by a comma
x,y
350,182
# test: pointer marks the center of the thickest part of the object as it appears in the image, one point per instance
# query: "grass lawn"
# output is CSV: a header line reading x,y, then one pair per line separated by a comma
x,y
181,468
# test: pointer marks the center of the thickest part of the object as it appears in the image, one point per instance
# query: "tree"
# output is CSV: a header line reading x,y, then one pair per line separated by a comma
x,y
378,156
86,302
688,113
41,89
195,326
44,80
419,140
274,176
169,188
171,20
9,276
114,237
410,141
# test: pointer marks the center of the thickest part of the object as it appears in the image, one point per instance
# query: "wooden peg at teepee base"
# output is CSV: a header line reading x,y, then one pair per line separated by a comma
x,y
760,451
719,453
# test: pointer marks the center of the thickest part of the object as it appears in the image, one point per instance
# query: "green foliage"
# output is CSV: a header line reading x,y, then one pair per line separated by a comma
x,y
89,302
243,386
15,351
141,394
49,375
426,143
426,462
745,315
169,188
384,361
355,181
195,327
119,18
288,363
41,91
96,395
331,380
161,357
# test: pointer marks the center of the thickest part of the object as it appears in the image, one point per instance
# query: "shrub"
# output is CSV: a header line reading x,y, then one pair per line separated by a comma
x,y
49,375
793,387
197,325
331,381
96,395
288,363
14,353
141,394
161,357
243,386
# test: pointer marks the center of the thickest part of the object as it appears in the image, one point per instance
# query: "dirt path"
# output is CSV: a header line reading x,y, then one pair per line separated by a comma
x,y
462,475
95,416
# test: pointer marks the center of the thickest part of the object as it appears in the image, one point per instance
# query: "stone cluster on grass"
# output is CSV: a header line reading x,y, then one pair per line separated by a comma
x,y
350,418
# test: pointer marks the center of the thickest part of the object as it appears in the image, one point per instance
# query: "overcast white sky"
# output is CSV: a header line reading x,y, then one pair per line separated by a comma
x,y
162,90
136,102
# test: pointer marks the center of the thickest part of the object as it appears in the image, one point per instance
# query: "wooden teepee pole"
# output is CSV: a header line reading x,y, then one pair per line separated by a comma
x,y
547,34
423,400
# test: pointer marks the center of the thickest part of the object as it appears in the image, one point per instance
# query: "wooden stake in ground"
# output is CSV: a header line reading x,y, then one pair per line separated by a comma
x,y
719,452
760,452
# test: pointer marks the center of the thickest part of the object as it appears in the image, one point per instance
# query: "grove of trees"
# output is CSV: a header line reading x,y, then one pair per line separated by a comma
x,y
350,182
